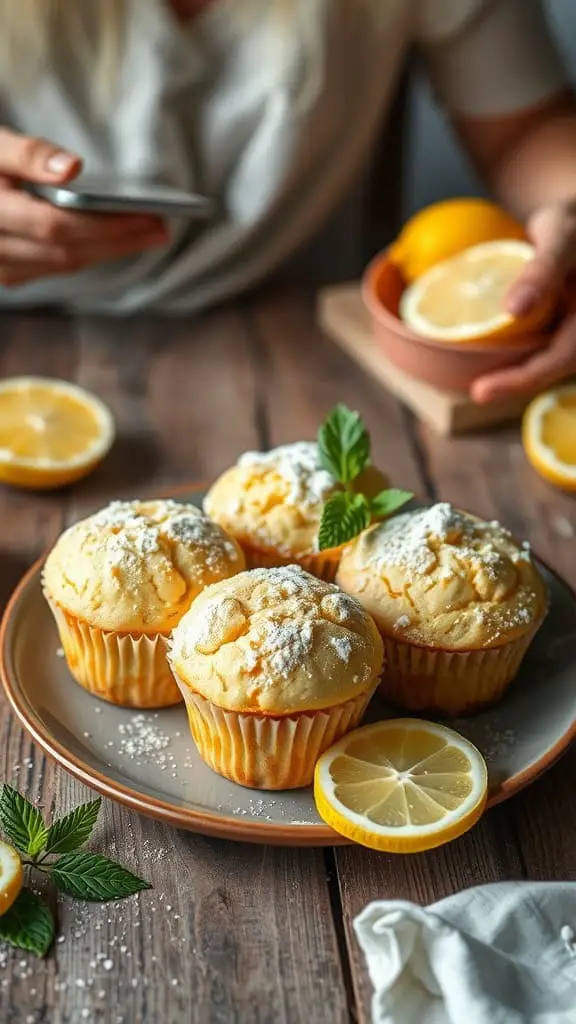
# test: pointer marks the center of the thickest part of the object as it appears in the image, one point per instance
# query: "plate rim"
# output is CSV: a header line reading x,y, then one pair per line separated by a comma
x,y
217,825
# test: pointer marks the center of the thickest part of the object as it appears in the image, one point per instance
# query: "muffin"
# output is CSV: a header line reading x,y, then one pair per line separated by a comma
x,y
271,502
457,601
119,581
274,666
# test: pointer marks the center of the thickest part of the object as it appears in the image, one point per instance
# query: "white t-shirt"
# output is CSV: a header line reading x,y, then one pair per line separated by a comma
x,y
275,135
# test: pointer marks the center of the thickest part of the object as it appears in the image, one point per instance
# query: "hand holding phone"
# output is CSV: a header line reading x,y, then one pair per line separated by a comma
x,y
38,239
106,194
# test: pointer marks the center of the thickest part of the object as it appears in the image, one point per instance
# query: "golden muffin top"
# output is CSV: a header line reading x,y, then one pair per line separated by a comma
x,y
137,566
438,577
276,641
273,500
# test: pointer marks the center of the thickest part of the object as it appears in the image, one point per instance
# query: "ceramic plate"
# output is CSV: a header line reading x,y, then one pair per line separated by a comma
x,y
148,760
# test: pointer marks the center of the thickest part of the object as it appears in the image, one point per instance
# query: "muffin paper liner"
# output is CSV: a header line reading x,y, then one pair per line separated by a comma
x,y
323,565
449,682
132,671
264,752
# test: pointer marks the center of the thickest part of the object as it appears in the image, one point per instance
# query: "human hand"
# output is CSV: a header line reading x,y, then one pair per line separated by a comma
x,y
552,231
38,240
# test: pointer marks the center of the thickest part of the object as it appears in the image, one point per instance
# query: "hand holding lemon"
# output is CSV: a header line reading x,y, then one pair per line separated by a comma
x,y
464,298
509,286
473,274
460,259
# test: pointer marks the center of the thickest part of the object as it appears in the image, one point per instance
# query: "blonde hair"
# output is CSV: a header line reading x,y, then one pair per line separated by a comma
x,y
32,29
90,32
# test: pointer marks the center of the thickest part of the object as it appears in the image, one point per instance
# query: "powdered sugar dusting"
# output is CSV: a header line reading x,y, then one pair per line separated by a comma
x,y
272,616
194,529
478,583
142,739
342,646
288,580
285,645
405,540
341,608
139,529
300,466
410,540
494,743
402,623
208,630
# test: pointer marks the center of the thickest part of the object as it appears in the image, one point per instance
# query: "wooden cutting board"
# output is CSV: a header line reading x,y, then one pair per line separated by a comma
x,y
342,316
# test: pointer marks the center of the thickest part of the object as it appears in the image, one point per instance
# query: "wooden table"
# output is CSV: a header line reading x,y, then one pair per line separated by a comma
x,y
234,933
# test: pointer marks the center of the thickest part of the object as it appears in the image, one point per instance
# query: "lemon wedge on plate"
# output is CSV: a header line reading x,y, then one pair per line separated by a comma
x,y
401,786
51,432
549,435
11,876
462,299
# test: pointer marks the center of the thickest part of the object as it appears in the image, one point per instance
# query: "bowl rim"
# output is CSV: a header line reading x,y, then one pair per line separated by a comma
x,y
529,343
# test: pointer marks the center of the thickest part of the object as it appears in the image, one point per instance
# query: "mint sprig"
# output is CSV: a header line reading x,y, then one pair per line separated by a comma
x,y
89,876
71,832
21,823
28,924
344,446
387,502
54,850
344,516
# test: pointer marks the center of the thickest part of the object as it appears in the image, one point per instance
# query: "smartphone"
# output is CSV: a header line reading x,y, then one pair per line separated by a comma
x,y
95,194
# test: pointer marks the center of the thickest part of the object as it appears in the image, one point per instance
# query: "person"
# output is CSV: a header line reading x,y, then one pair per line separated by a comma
x,y
272,108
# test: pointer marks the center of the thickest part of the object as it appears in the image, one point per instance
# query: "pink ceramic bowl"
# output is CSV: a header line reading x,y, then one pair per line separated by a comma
x,y
445,365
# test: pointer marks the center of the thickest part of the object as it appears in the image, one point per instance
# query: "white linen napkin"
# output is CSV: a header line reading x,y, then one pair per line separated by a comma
x,y
497,954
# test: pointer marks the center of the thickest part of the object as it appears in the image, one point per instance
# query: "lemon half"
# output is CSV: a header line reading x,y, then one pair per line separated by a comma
x,y
463,298
51,432
549,435
11,876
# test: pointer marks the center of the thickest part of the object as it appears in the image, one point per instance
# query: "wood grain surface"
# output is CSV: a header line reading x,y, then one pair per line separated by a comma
x,y
234,933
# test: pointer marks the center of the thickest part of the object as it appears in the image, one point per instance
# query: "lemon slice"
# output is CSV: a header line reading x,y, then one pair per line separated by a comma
x,y
51,432
11,876
549,435
462,298
401,786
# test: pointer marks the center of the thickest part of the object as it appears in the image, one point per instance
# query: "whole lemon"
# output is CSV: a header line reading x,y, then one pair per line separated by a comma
x,y
447,228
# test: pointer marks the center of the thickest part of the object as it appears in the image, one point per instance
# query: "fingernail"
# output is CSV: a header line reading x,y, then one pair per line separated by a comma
x,y
477,392
522,300
61,163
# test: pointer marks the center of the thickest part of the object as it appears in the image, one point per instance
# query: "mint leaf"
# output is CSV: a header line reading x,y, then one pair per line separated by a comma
x,y
70,832
344,516
89,876
344,444
22,824
387,502
28,924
